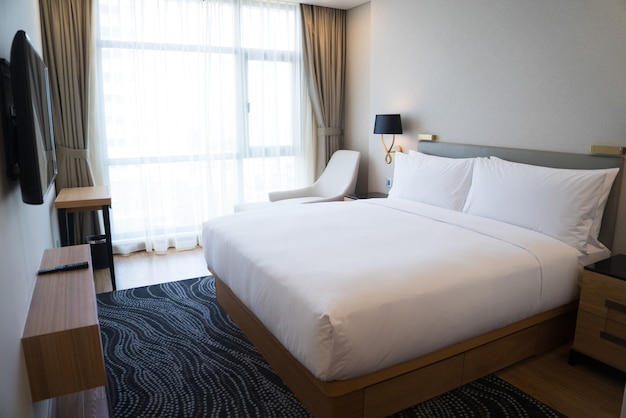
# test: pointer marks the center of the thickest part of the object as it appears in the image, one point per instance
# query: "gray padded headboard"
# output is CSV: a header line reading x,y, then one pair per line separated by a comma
x,y
546,159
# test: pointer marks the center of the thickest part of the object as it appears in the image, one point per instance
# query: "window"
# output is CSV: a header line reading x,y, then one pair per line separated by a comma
x,y
201,108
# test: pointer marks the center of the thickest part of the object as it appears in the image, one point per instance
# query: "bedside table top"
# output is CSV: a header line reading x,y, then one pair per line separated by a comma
x,y
370,195
614,267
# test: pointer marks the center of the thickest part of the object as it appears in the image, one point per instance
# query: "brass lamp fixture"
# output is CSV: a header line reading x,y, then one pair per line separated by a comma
x,y
388,124
608,149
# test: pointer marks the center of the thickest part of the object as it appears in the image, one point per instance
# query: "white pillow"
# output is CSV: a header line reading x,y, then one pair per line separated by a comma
x,y
560,203
610,174
437,181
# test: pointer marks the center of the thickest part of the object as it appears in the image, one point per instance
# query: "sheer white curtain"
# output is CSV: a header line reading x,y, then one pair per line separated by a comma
x,y
202,105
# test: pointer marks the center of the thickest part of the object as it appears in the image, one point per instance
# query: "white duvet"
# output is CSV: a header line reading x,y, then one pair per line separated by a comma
x,y
351,288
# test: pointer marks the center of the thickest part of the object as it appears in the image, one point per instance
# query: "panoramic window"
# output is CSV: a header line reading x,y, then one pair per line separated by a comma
x,y
200,109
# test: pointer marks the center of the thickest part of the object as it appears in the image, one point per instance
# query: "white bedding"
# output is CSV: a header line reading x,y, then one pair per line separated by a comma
x,y
351,288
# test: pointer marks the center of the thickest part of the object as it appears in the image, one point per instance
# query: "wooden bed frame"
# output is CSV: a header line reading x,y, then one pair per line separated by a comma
x,y
398,387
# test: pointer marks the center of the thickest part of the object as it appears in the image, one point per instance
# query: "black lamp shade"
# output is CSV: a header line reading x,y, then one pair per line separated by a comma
x,y
388,124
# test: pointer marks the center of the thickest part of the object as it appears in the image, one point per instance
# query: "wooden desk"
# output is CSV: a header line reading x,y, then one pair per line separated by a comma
x,y
85,199
61,340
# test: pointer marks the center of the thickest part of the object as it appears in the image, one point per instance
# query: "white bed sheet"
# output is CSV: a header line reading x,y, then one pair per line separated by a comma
x,y
351,288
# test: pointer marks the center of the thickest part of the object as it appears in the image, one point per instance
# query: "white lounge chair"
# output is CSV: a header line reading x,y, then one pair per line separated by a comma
x,y
338,179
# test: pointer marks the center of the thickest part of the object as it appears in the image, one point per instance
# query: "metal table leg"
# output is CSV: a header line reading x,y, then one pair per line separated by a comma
x,y
107,232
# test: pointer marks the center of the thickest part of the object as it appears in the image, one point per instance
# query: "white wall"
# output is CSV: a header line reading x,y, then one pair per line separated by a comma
x,y
357,127
25,231
546,75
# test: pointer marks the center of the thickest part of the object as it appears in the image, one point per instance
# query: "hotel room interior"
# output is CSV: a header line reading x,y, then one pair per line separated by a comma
x,y
548,76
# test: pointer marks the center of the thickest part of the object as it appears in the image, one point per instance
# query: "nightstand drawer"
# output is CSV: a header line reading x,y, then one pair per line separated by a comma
x,y
603,296
601,339
616,312
616,330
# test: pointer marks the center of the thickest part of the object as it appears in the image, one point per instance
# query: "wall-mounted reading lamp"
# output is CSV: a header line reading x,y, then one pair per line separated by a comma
x,y
388,124
608,149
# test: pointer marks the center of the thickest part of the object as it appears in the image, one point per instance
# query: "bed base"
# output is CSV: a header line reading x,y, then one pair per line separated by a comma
x,y
398,387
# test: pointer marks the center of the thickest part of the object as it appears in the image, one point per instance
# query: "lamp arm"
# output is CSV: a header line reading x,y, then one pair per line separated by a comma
x,y
388,150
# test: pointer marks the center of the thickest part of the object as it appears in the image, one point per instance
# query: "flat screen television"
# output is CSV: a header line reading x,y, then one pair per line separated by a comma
x,y
30,152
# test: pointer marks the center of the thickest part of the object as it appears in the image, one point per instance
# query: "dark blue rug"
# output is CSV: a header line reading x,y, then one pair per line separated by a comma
x,y
171,351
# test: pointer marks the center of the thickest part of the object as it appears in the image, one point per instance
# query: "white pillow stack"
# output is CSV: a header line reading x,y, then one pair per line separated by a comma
x,y
565,204
560,203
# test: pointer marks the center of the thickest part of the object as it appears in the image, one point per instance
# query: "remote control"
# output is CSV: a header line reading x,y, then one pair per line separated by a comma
x,y
64,267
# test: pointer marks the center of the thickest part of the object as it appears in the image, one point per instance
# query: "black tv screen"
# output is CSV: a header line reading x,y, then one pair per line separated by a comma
x,y
33,133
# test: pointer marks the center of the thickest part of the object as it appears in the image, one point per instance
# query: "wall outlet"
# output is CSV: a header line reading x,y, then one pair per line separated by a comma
x,y
389,182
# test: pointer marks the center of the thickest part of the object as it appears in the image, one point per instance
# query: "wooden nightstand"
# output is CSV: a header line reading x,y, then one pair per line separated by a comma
x,y
601,322
358,196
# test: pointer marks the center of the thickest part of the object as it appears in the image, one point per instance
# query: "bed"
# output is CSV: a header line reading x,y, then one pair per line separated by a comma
x,y
369,307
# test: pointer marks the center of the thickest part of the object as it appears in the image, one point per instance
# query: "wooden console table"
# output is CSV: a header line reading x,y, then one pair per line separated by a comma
x,y
61,340
85,199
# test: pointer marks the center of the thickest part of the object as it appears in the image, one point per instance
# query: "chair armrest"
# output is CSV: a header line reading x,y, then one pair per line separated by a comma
x,y
328,199
290,194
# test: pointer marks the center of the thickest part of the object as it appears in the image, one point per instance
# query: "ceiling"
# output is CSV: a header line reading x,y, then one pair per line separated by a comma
x,y
337,4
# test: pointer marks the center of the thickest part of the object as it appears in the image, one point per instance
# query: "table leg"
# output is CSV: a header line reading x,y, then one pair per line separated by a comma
x,y
63,227
66,227
69,218
107,232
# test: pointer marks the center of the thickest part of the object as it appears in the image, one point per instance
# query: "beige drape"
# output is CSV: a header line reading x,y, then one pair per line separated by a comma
x,y
324,55
66,34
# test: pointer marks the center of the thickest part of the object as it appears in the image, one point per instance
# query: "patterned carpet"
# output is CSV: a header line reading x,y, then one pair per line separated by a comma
x,y
171,351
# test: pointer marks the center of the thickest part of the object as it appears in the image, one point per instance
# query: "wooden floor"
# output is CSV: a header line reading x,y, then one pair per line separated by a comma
x,y
584,390
143,269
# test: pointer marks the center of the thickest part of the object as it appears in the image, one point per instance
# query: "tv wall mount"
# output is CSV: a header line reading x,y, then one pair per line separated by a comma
x,y
8,121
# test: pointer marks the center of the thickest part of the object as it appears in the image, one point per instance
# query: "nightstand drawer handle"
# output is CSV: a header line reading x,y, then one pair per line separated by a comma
x,y
615,306
612,338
